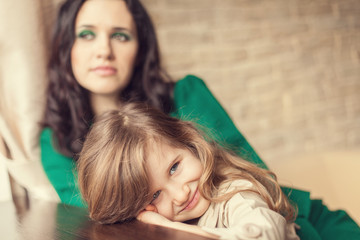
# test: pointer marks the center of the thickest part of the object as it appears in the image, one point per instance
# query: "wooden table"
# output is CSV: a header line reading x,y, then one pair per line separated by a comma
x,y
40,220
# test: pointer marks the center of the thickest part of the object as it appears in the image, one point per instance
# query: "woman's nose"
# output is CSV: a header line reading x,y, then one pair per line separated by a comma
x,y
104,48
181,194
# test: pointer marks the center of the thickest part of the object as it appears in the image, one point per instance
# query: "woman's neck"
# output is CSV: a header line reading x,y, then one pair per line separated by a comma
x,y
103,103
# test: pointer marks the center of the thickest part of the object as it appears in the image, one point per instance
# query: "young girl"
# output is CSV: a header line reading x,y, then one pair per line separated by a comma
x,y
139,162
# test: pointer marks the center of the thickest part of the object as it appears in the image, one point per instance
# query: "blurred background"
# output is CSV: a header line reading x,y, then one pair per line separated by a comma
x,y
286,71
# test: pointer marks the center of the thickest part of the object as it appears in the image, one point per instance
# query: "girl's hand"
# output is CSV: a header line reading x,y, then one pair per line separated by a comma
x,y
151,216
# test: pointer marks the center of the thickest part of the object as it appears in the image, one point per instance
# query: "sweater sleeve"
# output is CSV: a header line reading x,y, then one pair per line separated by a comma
x,y
193,101
248,217
60,170
245,216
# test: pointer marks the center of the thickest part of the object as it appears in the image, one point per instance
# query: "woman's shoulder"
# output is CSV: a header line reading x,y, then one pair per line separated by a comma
x,y
47,140
46,133
50,153
191,90
188,82
193,100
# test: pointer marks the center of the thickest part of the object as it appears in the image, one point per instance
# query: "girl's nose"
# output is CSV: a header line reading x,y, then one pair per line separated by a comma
x,y
104,48
181,194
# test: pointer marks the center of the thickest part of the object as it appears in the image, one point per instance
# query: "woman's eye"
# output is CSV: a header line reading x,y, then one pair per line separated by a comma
x,y
87,35
156,195
173,168
120,36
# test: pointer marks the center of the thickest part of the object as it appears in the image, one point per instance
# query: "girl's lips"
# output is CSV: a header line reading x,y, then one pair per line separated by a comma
x,y
104,71
194,201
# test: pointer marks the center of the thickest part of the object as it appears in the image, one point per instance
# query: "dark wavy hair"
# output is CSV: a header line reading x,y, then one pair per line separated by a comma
x,y
68,111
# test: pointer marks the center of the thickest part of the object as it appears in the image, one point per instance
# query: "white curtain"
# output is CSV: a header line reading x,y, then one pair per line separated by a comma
x,y
24,27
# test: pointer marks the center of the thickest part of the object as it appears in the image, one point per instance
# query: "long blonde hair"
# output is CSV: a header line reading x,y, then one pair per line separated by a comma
x,y
111,168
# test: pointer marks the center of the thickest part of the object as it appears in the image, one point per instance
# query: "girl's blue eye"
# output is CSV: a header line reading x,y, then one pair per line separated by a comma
x,y
86,34
123,37
156,195
173,168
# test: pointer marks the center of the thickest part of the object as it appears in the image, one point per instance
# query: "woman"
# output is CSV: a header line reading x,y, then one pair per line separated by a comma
x,y
94,68
105,53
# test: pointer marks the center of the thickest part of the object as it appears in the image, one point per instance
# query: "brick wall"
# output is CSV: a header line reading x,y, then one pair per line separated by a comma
x,y
287,71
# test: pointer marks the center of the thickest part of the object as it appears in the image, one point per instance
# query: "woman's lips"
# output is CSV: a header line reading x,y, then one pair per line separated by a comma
x,y
194,201
104,71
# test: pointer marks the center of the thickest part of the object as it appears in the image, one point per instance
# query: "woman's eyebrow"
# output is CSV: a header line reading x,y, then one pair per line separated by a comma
x,y
86,26
113,28
121,29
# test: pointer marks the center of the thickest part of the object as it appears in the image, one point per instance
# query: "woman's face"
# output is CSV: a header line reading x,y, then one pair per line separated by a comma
x,y
105,48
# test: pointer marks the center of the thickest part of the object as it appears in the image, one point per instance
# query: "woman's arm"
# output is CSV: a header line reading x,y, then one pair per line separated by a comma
x,y
193,101
60,170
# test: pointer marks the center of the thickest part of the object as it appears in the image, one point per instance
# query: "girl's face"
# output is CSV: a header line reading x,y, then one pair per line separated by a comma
x,y
105,48
174,182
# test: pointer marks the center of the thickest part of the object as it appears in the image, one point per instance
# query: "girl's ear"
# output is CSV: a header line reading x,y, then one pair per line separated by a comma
x,y
151,208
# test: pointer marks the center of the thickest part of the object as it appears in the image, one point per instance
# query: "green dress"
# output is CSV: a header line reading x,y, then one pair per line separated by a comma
x,y
193,101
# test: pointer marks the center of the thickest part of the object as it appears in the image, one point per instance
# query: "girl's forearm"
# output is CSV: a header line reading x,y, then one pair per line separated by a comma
x,y
190,228
153,217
